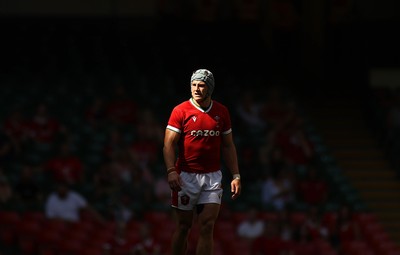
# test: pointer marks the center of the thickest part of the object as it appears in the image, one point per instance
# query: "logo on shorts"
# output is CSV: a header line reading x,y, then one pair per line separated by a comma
x,y
185,199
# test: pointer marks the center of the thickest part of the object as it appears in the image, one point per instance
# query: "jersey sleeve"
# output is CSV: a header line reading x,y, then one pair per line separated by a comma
x,y
175,120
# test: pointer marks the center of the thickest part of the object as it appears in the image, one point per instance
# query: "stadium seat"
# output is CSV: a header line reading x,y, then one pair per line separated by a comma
x,y
9,218
269,216
48,238
297,218
358,247
8,222
81,227
156,217
55,225
237,248
329,220
68,247
324,247
33,215
363,218
91,251
238,216
164,232
100,237
27,233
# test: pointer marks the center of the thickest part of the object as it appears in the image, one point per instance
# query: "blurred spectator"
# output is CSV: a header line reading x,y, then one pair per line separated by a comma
x,y
123,165
346,228
6,192
303,243
9,149
249,161
147,245
251,227
16,127
66,204
115,144
341,11
277,190
296,148
286,226
27,190
205,10
248,11
42,127
248,111
313,189
162,192
148,126
145,148
95,113
270,156
120,244
314,225
122,209
105,182
121,110
65,166
285,22
285,16
269,242
274,109
140,192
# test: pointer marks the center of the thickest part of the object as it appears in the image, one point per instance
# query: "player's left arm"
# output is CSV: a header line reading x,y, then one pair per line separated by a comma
x,y
230,158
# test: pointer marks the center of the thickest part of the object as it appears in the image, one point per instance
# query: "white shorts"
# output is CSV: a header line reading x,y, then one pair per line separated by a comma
x,y
198,189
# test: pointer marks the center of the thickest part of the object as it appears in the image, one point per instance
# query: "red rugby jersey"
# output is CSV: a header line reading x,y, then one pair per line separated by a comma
x,y
201,133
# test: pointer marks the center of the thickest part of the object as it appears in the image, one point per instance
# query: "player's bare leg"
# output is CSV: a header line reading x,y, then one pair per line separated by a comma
x,y
180,237
207,215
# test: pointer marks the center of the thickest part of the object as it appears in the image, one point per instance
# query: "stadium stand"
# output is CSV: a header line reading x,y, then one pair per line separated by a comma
x,y
69,65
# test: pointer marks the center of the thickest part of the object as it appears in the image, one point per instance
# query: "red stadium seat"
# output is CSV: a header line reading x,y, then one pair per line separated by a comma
x,y
91,251
46,250
48,238
28,230
324,247
238,217
329,220
9,218
364,218
81,226
269,216
386,246
34,215
357,248
372,230
297,218
8,222
238,248
68,247
55,225
100,237
376,239
156,217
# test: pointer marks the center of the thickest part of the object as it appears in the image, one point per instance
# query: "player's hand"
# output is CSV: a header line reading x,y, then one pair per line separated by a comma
x,y
236,188
175,181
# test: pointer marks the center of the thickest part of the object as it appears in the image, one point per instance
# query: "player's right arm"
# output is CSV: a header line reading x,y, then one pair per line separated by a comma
x,y
171,139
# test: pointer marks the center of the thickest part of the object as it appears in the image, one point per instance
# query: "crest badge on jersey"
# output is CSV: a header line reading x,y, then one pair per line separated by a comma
x,y
194,118
185,199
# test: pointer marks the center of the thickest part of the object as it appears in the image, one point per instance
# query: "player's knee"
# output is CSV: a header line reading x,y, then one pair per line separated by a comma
x,y
207,228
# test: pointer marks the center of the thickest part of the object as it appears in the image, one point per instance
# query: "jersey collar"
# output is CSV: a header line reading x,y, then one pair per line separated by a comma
x,y
199,108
